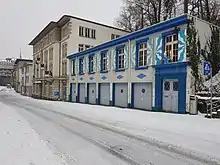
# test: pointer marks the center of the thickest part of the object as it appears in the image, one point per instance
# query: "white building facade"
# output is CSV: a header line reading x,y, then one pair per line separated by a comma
x,y
52,45
147,69
26,78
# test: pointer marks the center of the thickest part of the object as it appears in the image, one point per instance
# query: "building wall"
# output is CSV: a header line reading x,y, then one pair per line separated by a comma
x,y
132,74
69,34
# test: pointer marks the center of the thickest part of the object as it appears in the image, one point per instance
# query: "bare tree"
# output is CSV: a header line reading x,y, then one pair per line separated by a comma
x,y
136,14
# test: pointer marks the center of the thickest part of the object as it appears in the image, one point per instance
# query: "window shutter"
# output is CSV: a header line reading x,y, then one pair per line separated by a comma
x,y
114,59
76,68
159,47
133,54
182,45
150,45
126,54
99,61
94,63
108,60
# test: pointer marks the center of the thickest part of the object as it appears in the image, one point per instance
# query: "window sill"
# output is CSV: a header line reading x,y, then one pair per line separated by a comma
x,y
103,71
91,72
141,68
81,73
119,70
73,74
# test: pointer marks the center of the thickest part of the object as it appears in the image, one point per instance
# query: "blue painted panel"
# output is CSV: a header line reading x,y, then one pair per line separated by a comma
x,y
171,71
144,32
113,94
71,90
182,45
159,50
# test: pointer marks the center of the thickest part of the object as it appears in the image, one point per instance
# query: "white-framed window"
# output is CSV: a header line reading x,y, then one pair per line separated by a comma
x,y
87,47
114,36
121,55
142,54
81,47
171,47
64,50
81,31
81,65
104,63
93,33
64,68
51,54
91,63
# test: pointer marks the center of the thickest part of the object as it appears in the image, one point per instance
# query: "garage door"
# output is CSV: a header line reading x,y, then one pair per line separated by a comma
x,y
74,92
82,93
142,96
104,93
121,94
92,93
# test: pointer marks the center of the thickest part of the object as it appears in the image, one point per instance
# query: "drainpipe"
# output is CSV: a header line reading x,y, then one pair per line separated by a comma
x,y
129,70
59,65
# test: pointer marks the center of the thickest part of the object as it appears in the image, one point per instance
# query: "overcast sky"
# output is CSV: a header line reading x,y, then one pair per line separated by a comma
x,y
22,20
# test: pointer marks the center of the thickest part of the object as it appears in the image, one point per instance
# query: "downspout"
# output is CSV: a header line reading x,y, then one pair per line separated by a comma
x,y
59,64
129,72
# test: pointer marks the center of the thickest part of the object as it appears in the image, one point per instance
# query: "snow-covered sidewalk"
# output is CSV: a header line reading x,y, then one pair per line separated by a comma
x,y
20,144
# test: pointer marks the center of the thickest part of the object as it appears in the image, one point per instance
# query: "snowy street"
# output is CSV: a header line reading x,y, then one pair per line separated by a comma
x,y
38,132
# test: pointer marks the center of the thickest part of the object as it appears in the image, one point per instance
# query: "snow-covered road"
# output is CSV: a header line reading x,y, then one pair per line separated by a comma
x,y
93,135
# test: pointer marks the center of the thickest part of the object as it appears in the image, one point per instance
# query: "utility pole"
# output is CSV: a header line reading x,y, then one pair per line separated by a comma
x,y
186,3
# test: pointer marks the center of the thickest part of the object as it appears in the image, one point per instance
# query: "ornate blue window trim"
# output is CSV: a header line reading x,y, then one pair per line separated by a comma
x,y
138,42
116,58
103,53
81,61
91,57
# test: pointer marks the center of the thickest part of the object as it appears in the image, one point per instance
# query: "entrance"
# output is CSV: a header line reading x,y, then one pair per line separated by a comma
x,y
170,95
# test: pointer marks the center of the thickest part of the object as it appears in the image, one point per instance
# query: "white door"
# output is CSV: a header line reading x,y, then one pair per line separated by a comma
x,y
170,95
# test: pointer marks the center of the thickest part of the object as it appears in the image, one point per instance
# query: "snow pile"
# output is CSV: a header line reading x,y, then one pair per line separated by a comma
x,y
19,142
215,81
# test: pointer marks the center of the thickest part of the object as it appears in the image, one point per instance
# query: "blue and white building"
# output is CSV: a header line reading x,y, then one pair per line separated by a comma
x,y
146,69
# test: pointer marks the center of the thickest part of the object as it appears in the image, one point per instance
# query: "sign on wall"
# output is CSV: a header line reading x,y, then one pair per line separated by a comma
x,y
207,68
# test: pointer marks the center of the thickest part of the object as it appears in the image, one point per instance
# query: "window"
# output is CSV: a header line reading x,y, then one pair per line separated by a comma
x,y
51,54
142,54
27,79
81,31
73,67
81,61
91,64
87,33
64,68
120,60
64,50
81,47
104,61
93,33
27,69
114,36
171,47
87,47
45,59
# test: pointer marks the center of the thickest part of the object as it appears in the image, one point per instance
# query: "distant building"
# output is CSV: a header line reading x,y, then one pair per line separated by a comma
x,y
6,70
52,45
26,77
17,74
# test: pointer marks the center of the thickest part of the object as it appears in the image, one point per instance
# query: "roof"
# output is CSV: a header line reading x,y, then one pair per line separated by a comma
x,y
62,21
174,22
25,60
